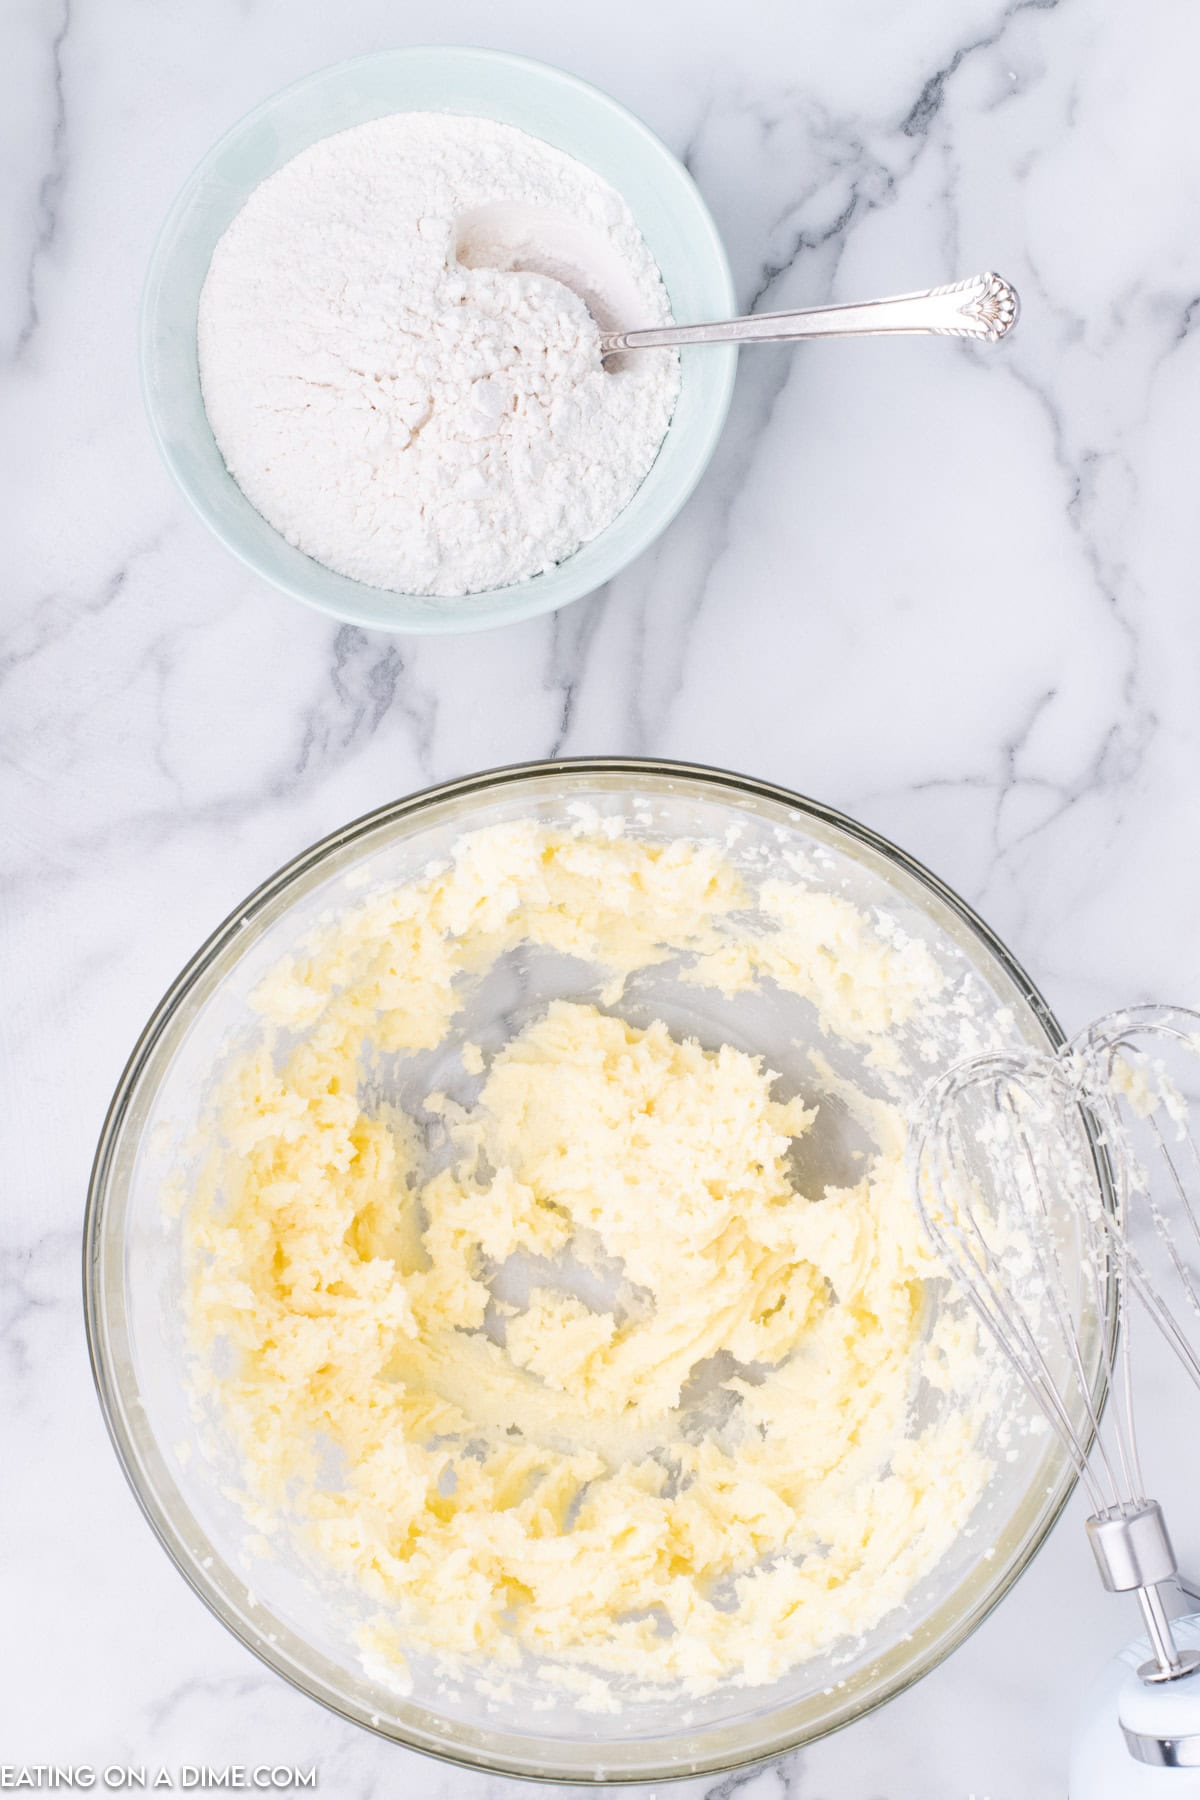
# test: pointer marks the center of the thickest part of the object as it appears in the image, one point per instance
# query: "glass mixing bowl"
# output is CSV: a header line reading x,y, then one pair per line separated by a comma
x,y
133,1277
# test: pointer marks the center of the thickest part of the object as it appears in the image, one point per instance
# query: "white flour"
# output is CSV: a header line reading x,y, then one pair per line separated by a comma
x,y
410,421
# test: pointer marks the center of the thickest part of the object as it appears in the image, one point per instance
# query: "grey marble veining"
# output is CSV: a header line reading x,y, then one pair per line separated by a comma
x,y
950,590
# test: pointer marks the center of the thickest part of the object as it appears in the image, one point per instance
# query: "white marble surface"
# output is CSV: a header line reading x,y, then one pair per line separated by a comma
x,y
949,590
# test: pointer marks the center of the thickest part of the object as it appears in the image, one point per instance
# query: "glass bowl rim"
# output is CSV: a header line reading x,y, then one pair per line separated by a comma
x,y
107,1382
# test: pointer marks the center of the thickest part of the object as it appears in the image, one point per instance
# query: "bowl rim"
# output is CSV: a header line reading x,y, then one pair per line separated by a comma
x,y
113,1403
518,600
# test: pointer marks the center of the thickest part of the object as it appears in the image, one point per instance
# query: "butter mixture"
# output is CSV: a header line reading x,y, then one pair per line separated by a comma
x,y
578,1371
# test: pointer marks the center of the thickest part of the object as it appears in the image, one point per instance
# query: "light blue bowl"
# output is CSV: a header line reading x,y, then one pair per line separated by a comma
x,y
556,107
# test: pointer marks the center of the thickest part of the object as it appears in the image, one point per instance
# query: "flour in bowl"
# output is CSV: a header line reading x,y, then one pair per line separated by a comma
x,y
408,420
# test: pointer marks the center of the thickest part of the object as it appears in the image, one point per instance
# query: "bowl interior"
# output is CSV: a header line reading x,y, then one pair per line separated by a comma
x,y
135,1275
549,104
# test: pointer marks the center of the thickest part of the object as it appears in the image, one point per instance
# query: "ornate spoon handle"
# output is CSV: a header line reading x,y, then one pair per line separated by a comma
x,y
984,307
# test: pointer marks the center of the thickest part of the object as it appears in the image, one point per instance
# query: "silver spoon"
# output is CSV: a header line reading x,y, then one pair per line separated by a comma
x,y
985,307
502,235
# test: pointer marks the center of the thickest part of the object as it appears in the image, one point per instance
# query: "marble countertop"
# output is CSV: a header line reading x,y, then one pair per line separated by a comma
x,y
946,589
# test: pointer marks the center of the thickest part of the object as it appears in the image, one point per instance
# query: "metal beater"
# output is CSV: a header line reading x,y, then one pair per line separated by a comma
x,y
1058,1190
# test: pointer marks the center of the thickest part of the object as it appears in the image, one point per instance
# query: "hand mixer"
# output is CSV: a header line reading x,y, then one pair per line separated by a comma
x,y
1056,1189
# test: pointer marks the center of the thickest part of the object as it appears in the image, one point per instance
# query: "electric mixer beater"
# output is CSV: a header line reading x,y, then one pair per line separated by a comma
x,y
1058,1189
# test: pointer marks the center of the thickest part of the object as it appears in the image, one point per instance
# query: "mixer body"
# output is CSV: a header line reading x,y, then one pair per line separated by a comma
x,y
1103,1765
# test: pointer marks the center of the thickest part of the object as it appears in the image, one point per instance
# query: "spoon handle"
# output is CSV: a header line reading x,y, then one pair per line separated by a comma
x,y
983,307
